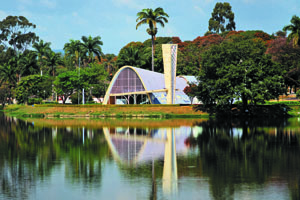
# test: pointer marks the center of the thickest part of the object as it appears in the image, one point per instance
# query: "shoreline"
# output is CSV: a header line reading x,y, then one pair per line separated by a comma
x,y
104,111
148,111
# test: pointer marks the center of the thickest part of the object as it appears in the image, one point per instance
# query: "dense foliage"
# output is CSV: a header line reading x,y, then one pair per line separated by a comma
x,y
246,65
90,79
27,75
221,13
33,86
239,69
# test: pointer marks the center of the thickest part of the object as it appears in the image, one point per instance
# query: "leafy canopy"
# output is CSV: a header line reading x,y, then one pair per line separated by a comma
x,y
152,18
239,69
15,33
222,18
33,86
294,28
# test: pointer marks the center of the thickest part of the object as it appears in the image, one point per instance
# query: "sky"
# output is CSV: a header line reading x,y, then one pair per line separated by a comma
x,y
58,21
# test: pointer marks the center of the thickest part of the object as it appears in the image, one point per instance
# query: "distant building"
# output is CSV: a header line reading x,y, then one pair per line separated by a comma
x,y
132,85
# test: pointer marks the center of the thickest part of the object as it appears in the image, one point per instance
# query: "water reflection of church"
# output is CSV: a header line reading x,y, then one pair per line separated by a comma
x,y
133,146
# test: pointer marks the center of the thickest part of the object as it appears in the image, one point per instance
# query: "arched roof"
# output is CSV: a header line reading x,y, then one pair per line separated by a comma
x,y
150,80
190,79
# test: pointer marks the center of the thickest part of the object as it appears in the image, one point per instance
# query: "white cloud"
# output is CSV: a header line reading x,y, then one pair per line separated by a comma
x,y
48,3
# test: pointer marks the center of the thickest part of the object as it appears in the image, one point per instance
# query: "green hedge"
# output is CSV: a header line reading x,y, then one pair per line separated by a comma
x,y
290,103
32,101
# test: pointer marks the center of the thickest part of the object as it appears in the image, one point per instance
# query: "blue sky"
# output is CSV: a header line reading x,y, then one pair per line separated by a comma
x,y
114,21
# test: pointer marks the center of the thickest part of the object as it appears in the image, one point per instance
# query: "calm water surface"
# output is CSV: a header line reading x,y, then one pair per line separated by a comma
x,y
149,159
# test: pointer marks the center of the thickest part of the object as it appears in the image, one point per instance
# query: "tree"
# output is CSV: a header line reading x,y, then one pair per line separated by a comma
x,y
190,91
94,80
239,69
132,54
109,61
189,60
28,64
33,86
4,94
288,56
53,60
92,47
281,34
66,83
152,18
74,50
16,35
222,18
207,41
42,48
8,77
294,27
15,32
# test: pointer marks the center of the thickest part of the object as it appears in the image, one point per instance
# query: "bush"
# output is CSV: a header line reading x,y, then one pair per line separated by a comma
x,y
32,101
74,98
298,94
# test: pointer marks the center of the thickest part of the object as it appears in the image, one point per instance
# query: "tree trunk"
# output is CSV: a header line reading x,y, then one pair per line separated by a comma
x,y
245,103
152,39
64,99
9,99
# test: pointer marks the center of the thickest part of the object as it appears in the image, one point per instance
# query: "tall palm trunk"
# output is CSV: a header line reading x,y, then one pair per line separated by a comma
x,y
152,39
52,85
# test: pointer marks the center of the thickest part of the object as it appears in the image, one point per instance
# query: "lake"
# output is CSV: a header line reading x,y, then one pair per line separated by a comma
x,y
149,159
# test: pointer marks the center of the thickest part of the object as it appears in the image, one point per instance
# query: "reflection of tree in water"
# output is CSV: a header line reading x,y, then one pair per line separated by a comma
x,y
29,154
84,156
251,158
24,157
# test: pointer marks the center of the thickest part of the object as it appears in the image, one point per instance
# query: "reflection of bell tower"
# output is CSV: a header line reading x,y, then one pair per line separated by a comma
x,y
170,62
170,163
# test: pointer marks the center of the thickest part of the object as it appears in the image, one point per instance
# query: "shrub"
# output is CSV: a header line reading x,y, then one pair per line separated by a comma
x,y
32,101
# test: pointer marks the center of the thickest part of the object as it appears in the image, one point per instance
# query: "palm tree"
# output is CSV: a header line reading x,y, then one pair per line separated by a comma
x,y
131,56
295,30
28,64
42,48
92,47
53,59
152,18
74,50
8,76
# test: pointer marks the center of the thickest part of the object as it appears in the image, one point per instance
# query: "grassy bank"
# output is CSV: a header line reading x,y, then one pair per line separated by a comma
x,y
96,111
138,111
